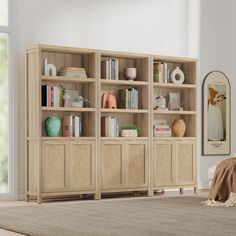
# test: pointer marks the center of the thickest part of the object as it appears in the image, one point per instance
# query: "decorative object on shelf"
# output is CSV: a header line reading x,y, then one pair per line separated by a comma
x,y
49,69
177,76
73,93
174,101
160,102
129,131
216,114
52,126
79,102
178,127
108,100
66,98
130,73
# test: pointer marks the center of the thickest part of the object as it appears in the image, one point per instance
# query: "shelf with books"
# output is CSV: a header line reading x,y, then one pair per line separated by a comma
x,y
113,67
66,79
74,124
166,121
124,121
179,72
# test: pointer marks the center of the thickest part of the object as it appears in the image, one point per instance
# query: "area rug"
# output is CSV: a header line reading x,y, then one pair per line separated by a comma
x,y
231,202
170,216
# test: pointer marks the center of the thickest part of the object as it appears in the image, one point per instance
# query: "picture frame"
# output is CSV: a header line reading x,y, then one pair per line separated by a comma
x,y
216,104
174,101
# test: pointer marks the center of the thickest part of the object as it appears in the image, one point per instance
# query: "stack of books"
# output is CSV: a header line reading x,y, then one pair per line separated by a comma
x,y
161,131
110,69
161,73
71,126
73,72
51,96
128,98
109,127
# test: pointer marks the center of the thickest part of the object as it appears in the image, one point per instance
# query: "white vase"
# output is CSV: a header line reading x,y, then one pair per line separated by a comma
x,y
177,76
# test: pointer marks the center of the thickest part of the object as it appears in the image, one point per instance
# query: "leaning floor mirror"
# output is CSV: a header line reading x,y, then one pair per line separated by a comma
x,y
216,114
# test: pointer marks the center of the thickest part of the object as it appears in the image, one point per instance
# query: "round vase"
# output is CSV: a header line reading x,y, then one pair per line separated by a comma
x,y
52,126
178,128
130,73
177,76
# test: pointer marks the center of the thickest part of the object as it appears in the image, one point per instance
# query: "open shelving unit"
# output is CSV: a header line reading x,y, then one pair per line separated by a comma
x,y
94,163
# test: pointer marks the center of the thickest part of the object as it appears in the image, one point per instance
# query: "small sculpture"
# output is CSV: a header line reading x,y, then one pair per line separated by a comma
x,y
66,98
108,100
49,69
177,76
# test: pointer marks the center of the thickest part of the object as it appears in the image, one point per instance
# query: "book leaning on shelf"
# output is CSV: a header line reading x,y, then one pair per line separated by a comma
x,y
71,126
109,127
110,69
51,96
128,98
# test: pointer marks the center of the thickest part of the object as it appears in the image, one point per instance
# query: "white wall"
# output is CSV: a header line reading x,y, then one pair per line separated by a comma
x,y
218,52
167,27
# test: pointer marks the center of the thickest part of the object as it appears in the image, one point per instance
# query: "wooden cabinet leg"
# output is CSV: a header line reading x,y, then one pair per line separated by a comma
x,y
181,191
39,199
150,193
195,190
27,198
136,193
97,196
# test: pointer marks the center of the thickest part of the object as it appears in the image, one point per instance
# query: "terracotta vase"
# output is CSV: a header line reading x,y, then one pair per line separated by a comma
x,y
178,128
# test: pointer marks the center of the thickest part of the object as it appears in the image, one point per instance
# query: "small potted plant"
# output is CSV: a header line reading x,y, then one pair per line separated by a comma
x,y
79,102
129,131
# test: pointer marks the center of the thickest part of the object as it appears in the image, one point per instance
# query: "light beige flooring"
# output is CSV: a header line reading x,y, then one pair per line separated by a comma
x,y
119,197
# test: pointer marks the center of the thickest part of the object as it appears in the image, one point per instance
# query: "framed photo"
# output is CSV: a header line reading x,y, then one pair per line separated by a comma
x,y
174,101
216,114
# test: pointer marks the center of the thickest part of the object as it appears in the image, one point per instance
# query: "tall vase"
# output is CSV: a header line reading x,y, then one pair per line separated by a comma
x,y
52,126
178,128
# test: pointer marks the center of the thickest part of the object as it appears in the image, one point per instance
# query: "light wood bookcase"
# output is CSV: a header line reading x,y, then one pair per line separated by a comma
x,y
92,164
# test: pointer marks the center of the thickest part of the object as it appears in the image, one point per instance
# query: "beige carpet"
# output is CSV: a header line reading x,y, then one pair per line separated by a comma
x,y
185,216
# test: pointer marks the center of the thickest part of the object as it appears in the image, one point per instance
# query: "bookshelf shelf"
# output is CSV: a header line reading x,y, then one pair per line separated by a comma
x,y
67,138
123,82
177,86
98,162
123,138
124,110
66,79
69,109
168,112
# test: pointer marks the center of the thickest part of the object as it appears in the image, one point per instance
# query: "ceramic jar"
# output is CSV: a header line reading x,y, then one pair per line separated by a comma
x,y
52,126
178,128
130,73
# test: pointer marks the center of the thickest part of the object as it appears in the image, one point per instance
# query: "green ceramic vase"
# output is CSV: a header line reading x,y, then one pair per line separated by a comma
x,y
52,126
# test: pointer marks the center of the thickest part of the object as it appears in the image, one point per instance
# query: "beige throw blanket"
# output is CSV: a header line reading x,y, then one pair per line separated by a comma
x,y
224,181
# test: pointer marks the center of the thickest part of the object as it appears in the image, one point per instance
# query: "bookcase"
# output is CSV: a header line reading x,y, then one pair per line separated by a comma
x,y
103,158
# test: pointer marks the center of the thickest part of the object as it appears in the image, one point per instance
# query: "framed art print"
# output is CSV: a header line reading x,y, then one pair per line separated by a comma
x,y
216,114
